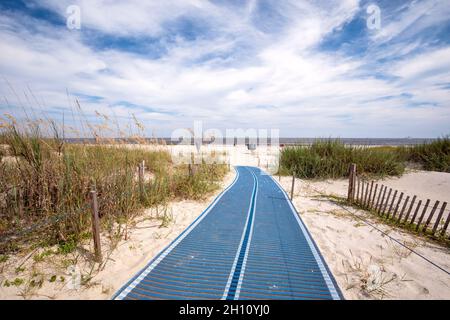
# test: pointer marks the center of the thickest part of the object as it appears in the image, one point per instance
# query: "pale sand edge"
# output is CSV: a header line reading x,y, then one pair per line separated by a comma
x,y
366,264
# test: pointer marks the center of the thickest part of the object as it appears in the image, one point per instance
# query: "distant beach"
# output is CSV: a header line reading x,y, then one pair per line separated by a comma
x,y
289,141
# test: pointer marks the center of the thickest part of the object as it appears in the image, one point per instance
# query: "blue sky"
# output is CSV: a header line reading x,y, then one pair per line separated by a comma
x,y
309,68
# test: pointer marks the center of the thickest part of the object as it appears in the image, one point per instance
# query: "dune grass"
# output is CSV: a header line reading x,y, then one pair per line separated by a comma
x,y
434,156
331,159
45,184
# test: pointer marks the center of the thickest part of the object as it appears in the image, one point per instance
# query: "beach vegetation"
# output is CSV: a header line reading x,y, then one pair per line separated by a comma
x,y
331,158
46,182
433,156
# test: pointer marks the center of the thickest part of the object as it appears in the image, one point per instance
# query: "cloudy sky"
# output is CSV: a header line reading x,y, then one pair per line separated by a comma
x,y
310,68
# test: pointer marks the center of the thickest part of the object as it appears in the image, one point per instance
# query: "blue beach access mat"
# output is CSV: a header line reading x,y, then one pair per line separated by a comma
x,y
248,244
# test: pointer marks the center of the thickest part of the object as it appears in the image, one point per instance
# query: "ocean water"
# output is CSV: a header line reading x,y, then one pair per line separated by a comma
x,y
308,141
361,141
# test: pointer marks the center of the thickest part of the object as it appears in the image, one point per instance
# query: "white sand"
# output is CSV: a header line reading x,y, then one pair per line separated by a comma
x,y
424,184
366,264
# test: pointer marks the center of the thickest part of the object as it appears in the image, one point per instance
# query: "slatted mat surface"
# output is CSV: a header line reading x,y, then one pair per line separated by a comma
x,y
248,244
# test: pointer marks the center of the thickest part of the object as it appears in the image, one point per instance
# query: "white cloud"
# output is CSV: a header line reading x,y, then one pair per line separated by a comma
x,y
418,16
262,79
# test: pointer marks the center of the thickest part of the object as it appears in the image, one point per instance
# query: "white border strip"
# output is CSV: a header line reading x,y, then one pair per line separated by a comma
x,y
166,251
236,258
244,263
323,270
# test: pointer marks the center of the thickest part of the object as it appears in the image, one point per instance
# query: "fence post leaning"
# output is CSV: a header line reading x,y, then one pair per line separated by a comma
x,y
351,183
410,208
438,219
447,222
403,209
436,204
398,205
96,226
419,204
423,214
392,204
383,212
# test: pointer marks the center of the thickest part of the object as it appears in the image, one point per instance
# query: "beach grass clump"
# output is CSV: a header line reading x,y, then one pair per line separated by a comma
x,y
331,159
433,156
45,185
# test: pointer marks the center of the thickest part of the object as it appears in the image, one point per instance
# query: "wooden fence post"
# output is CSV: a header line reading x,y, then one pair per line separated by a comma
x,y
361,197
379,197
293,184
96,226
372,203
141,178
382,201
351,183
410,208
423,214
387,202
358,196
392,204
366,194
403,209
439,217
370,195
416,212
436,204
398,205
445,225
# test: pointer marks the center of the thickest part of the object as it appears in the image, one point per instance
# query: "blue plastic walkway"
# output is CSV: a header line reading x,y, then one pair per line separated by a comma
x,y
248,244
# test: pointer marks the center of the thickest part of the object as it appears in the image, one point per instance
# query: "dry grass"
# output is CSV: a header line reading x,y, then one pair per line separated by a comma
x,y
45,183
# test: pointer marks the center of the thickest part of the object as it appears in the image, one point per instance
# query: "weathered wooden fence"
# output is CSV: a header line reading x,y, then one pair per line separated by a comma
x,y
398,207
